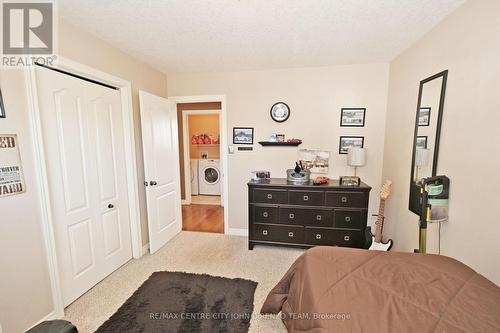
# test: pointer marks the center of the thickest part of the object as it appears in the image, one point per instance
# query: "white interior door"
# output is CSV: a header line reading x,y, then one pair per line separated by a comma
x,y
161,168
85,156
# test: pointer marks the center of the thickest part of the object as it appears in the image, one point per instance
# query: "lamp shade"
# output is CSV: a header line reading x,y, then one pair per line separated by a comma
x,y
356,156
421,157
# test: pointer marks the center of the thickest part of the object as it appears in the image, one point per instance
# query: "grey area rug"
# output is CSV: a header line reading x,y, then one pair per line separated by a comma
x,y
182,302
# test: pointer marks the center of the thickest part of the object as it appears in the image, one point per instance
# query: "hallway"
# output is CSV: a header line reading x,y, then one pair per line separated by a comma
x,y
204,218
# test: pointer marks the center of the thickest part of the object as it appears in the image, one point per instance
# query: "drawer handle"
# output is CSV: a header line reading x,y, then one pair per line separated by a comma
x,y
318,217
269,196
347,238
291,216
264,232
344,199
290,234
265,214
318,236
348,219
306,197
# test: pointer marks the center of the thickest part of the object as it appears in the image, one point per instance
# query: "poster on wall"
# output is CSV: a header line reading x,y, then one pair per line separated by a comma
x,y
317,161
11,171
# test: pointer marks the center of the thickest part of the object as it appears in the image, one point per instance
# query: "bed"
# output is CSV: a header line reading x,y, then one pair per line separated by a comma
x,y
334,289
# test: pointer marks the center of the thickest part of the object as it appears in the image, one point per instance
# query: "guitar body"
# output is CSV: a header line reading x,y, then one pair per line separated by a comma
x,y
371,244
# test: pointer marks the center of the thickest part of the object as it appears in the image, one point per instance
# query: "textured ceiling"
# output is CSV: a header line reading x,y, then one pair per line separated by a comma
x,y
231,35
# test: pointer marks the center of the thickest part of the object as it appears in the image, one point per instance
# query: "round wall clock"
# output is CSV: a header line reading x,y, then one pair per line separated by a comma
x,y
280,112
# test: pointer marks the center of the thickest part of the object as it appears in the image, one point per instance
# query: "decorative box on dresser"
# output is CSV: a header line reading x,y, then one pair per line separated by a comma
x,y
306,215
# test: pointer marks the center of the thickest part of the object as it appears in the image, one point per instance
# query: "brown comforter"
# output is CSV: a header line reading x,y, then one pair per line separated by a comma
x,y
333,289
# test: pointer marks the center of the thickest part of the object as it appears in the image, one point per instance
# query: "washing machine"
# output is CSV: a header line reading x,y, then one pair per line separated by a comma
x,y
209,178
194,177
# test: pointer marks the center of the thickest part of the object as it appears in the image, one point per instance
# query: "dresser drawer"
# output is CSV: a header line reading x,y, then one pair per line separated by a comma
x,y
270,196
351,238
346,199
265,214
319,236
351,219
306,198
276,233
306,216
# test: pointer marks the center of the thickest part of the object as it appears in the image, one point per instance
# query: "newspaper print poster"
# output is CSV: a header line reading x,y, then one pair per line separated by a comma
x,y
11,172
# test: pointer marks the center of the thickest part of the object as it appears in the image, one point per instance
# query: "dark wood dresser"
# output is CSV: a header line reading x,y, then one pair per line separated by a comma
x,y
305,215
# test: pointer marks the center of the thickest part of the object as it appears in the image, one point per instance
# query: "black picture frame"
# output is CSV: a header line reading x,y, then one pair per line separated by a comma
x,y
342,152
2,107
241,142
278,120
345,110
424,138
425,123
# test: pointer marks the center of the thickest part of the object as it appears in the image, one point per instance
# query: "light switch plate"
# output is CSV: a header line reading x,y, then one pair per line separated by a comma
x,y
230,149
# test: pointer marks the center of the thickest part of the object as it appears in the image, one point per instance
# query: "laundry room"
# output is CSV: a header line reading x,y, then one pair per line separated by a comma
x,y
202,209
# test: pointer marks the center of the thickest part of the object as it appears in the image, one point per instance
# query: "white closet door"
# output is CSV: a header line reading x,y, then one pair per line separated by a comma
x,y
84,151
107,137
161,168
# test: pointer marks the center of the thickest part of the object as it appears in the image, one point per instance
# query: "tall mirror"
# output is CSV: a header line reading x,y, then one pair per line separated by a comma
x,y
427,129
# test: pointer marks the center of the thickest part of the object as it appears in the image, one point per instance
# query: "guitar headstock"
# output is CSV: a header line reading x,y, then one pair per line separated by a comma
x,y
385,191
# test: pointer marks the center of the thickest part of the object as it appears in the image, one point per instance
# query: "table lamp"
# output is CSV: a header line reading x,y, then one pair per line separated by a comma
x,y
356,157
421,160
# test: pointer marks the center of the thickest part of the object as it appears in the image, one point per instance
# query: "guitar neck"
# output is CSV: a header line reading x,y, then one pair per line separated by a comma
x,y
380,221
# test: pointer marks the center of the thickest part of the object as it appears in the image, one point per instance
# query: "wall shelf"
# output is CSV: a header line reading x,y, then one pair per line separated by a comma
x,y
282,144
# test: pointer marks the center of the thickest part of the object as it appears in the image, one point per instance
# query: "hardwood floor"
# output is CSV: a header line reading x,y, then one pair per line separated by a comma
x,y
205,218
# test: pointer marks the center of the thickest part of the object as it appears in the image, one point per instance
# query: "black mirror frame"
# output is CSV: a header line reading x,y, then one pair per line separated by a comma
x,y
414,188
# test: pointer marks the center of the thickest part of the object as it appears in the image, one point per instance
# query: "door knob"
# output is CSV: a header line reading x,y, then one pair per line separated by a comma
x,y
153,183
111,206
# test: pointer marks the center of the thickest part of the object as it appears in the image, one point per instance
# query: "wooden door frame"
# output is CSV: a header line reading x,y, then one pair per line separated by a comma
x,y
186,152
223,147
125,88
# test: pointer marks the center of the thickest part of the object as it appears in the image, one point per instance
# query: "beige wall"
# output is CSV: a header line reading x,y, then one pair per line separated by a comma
x,y
466,44
24,282
25,295
204,124
315,96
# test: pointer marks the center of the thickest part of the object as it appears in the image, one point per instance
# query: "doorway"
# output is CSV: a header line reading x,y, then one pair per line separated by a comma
x,y
203,182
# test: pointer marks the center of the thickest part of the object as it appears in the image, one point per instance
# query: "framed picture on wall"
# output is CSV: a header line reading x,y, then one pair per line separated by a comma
x,y
424,116
347,142
243,135
2,108
422,141
352,117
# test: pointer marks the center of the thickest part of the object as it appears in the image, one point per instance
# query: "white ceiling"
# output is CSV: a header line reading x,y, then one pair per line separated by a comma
x,y
232,35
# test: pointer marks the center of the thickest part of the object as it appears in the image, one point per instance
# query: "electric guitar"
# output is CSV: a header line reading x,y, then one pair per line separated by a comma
x,y
375,242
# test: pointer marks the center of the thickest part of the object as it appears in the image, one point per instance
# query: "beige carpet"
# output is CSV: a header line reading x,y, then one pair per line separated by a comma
x,y
192,252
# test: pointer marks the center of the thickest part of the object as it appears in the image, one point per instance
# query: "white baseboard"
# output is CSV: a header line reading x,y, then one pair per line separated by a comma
x,y
51,316
185,202
237,232
145,249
